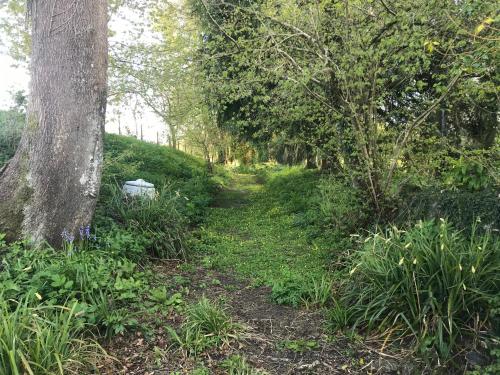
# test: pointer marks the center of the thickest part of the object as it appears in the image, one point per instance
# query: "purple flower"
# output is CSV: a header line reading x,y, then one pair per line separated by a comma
x,y
85,233
68,237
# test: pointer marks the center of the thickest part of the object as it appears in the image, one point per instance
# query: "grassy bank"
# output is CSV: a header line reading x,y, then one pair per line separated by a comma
x,y
55,303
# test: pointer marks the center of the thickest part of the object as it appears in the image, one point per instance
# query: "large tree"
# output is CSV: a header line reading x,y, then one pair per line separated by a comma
x,y
356,82
52,182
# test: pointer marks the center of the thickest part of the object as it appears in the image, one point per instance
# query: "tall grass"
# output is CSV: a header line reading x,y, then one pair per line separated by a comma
x,y
42,340
159,219
431,283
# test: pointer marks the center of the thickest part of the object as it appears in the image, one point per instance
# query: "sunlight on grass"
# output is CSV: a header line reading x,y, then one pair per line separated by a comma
x,y
260,239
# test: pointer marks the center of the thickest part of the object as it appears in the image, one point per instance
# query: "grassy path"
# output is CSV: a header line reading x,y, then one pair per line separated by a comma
x,y
249,233
257,262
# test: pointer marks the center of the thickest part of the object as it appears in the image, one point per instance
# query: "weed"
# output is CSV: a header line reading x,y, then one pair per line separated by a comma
x,y
290,291
161,300
206,325
200,371
159,219
338,316
320,292
179,280
299,345
238,365
42,340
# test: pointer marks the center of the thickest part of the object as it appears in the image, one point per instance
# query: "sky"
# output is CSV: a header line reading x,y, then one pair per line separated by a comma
x,y
11,79
14,78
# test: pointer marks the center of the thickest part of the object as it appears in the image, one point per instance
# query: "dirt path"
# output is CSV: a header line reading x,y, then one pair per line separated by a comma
x,y
278,339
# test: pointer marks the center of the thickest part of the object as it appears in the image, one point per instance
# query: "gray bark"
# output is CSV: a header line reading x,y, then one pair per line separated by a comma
x,y
53,181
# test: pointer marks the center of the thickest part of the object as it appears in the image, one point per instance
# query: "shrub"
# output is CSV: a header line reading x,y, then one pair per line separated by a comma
x,y
431,282
473,170
461,206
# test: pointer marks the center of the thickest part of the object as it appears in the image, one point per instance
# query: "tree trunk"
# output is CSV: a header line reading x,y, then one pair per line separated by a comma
x,y
53,181
173,135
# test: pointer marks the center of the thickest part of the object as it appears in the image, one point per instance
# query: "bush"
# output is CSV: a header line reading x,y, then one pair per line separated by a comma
x,y
461,206
431,282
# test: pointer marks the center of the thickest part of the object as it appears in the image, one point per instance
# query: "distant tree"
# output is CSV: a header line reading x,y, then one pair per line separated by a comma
x,y
53,181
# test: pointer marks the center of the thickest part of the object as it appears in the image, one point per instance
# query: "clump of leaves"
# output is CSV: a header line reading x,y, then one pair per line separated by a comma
x,y
297,290
299,345
102,284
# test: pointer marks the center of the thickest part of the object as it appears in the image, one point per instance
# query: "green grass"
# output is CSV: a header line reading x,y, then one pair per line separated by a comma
x,y
206,325
238,365
254,232
127,156
159,226
185,176
53,301
43,340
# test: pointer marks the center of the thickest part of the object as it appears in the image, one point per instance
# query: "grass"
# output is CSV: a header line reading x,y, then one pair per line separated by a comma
x,y
43,340
257,236
54,302
159,226
238,365
206,325
169,170
276,226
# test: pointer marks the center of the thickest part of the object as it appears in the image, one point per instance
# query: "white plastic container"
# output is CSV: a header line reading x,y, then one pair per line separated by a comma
x,y
139,188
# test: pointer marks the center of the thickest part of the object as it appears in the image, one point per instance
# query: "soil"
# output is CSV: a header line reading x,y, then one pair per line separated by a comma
x,y
268,329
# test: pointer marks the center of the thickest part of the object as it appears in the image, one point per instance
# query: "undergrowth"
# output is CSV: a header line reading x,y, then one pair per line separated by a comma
x,y
44,340
430,283
55,301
